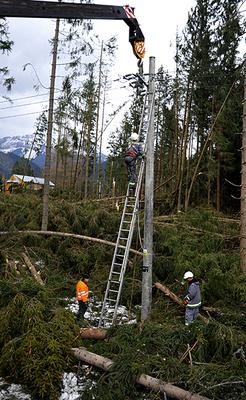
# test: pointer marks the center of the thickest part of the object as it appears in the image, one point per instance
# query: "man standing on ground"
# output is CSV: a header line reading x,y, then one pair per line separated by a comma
x,y
82,294
134,151
192,299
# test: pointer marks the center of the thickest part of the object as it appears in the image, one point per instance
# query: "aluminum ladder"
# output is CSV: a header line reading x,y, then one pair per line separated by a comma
x,y
125,234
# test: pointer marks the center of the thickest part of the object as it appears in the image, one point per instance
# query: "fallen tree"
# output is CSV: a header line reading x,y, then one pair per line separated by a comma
x,y
32,269
93,333
176,299
65,234
147,381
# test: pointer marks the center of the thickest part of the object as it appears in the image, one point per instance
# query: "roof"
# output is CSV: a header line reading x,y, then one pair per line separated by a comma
x,y
26,179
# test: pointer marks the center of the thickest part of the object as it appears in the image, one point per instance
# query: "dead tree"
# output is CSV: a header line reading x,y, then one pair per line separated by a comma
x,y
147,381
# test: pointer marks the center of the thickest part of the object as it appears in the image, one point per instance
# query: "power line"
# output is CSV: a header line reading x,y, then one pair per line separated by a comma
x,y
27,97
22,115
23,98
26,104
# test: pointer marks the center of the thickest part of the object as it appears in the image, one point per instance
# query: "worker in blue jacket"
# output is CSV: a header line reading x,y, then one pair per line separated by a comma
x,y
133,152
192,299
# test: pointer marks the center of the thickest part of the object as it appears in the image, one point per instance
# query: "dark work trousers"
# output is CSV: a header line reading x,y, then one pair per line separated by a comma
x,y
82,309
191,314
131,168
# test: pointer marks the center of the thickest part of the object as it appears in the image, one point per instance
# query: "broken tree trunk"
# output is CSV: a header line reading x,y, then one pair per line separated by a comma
x,y
65,234
32,269
93,333
146,380
176,299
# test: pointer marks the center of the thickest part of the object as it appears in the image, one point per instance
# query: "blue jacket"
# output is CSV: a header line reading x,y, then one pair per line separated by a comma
x,y
193,294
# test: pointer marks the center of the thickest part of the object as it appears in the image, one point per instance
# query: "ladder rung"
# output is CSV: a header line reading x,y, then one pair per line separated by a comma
x,y
125,230
122,238
119,255
112,290
107,299
118,264
128,213
118,282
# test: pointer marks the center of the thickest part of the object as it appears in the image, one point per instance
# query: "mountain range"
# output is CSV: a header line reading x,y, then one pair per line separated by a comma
x,y
12,148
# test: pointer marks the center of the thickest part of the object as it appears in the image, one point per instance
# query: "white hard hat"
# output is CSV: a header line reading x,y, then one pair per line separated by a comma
x,y
187,275
134,136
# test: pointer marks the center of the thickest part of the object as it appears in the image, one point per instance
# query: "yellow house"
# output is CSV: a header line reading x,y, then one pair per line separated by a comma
x,y
24,181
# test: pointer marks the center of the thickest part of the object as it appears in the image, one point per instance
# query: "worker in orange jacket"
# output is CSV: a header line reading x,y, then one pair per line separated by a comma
x,y
82,295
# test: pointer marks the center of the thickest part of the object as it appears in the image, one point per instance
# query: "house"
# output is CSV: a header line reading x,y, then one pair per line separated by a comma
x,y
28,182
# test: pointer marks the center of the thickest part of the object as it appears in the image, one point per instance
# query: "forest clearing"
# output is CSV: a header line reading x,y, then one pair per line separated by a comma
x,y
122,276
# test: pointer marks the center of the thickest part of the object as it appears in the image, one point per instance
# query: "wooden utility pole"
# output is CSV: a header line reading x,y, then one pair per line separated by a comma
x,y
243,184
149,197
49,132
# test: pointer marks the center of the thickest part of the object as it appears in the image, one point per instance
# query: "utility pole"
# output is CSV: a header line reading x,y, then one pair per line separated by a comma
x,y
243,185
149,197
49,132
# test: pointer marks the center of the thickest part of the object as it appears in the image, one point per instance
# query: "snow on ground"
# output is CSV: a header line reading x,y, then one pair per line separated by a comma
x,y
12,392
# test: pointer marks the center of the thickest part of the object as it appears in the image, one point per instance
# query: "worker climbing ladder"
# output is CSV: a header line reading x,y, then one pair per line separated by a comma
x,y
125,234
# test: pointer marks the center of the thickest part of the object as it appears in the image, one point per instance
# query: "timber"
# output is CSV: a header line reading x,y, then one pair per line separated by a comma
x,y
32,269
147,381
93,333
176,299
65,234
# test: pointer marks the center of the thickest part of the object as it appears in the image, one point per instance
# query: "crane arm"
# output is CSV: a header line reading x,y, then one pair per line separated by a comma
x,y
51,9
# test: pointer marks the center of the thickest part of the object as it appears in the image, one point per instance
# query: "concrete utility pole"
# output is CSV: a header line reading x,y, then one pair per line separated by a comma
x,y
49,132
149,197
243,184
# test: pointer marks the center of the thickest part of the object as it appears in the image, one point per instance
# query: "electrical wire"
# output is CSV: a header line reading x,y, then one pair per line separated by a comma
x,y
21,115
23,98
26,104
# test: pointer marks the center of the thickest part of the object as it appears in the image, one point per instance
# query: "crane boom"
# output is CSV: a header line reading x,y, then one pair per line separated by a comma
x,y
51,9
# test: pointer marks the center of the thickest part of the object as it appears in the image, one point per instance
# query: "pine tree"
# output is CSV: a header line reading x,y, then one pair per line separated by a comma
x,y
5,47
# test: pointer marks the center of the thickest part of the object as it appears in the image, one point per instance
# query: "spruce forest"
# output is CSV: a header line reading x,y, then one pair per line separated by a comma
x,y
49,239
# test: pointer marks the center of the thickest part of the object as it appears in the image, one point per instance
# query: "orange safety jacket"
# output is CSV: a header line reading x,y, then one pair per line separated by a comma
x,y
82,291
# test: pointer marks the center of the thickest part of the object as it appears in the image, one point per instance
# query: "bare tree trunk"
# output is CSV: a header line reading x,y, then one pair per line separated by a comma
x,y
209,137
45,213
81,139
97,123
64,234
93,333
209,178
32,269
243,185
218,180
147,381
183,149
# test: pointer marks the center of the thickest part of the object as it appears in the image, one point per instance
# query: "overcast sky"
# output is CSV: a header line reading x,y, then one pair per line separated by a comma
x,y
159,21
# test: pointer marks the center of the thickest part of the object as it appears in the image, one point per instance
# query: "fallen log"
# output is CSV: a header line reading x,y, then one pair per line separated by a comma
x,y
93,333
32,269
176,299
145,380
65,234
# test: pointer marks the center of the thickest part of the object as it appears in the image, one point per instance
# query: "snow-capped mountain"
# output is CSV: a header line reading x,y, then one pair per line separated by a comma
x,y
18,145
14,147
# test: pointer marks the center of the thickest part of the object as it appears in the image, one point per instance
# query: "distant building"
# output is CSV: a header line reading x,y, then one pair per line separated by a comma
x,y
23,181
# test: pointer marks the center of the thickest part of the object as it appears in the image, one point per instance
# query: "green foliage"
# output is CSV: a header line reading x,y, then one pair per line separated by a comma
x,y
157,349
34,352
